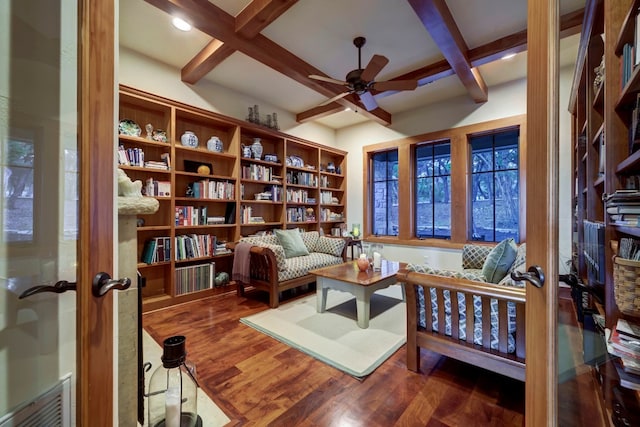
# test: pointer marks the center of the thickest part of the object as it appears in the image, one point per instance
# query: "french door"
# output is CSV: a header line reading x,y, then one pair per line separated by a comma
x,y
56,136
542,210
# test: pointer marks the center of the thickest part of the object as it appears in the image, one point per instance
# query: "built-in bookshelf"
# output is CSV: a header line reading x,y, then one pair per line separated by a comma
x,y
213,194
605,103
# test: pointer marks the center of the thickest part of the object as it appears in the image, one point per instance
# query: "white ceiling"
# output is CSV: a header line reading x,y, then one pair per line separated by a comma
x,y
321,32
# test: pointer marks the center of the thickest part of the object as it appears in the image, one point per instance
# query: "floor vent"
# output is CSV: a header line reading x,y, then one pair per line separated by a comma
x,y
51,409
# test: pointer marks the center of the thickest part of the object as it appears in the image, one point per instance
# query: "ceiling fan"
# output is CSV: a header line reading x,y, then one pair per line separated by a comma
x,y
360,81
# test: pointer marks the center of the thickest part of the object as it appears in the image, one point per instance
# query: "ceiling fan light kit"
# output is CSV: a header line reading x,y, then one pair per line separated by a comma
x,y
362,80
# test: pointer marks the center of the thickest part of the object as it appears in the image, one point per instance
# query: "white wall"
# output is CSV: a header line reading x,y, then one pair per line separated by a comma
x,y
144,73
505,100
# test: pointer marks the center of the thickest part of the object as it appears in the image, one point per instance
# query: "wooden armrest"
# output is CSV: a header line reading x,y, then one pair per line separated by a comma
x,y
483,289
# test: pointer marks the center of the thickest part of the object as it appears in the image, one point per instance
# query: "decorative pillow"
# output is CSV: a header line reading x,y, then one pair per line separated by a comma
x,y
278,251
328,245
292,243
499,260
310,238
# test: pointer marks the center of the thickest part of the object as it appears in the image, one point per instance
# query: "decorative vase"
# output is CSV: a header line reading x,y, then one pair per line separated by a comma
x,y
355,231
214,144
256,148
246,151
189,139
363,262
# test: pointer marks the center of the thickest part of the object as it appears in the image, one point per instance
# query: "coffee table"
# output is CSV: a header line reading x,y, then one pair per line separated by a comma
x,y
348,278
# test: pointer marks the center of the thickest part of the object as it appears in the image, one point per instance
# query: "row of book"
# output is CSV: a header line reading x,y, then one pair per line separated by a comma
x,y
302,178
624,342
187,216
135,157
623,207
195,278
212,189
155,188
258,173
158,249
300,215
271,192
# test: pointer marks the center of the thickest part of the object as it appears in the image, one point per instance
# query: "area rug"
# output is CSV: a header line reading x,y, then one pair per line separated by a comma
x,y
334,337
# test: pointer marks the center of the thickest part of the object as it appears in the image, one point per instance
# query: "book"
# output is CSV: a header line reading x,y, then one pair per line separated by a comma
x,y
624,209
148,253
627,379
623,348
628,329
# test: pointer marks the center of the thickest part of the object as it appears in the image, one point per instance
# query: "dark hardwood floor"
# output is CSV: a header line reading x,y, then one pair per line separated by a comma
x,y
258,381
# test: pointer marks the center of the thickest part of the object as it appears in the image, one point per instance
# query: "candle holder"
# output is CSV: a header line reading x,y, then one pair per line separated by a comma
x,y
173,389
355,231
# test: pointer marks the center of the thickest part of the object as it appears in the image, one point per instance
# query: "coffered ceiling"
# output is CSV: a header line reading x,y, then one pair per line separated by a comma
x,y
268,48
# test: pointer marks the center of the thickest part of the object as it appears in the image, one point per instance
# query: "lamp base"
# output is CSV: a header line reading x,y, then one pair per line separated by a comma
x,y
186,420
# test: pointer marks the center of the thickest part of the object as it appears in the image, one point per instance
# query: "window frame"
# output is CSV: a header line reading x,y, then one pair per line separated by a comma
x,y
460,182
387,180
414,183
493,172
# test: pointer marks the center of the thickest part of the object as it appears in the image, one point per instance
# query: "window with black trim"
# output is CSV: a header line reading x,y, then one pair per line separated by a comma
x,y
432,189
384,195
495,186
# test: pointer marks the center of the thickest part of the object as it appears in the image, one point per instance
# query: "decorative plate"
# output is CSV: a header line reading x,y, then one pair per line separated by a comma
x,y
129,127
159,135
295,161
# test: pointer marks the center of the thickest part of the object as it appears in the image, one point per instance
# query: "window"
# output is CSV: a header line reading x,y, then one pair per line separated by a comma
x,y
495,186
385,193
432,188
17,178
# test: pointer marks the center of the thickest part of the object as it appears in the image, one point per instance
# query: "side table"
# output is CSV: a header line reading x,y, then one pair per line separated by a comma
x,y
352,244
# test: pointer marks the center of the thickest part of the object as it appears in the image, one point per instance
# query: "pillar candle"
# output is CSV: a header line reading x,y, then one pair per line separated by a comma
x,y
172,407
377,259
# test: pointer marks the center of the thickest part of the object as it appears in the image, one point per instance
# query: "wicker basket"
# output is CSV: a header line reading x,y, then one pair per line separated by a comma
x,y
626,285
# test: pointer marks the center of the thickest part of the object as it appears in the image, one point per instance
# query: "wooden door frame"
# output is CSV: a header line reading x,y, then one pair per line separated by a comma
x,y
96,86
542,210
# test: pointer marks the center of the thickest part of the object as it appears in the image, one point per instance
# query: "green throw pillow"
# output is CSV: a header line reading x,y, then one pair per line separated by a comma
x,y
292,243
499,260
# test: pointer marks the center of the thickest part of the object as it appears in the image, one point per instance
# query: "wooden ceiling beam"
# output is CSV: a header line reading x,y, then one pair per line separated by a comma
x,y
255,17
437,19
215,22
258,14
570,24
206,60
318,112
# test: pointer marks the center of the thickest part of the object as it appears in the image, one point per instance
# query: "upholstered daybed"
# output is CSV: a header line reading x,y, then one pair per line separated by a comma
x,y
275,267
493,338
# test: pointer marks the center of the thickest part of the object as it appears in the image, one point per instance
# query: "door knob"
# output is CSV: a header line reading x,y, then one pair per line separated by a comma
x,y
535,276
103,283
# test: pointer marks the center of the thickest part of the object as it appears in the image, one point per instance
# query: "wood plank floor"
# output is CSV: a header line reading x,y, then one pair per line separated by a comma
x,y
258,381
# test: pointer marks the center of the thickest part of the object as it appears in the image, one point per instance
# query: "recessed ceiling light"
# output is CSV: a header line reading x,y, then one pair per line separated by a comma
x,y
508,56
181,24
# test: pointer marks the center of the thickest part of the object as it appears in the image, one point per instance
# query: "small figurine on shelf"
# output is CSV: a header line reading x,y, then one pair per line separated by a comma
x,y
250,117
256,114
149,128
275,121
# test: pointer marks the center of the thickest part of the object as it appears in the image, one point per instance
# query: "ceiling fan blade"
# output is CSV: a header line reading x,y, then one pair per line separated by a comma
x,y
328,80
395,85
369,101
335,98
374,66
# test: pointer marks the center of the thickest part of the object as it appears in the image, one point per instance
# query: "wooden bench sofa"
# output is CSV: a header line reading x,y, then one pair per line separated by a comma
x,y
493,338
271,271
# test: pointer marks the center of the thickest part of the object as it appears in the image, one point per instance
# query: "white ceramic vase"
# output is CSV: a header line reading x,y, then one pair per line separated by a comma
x,y
214,144
189,139
256,148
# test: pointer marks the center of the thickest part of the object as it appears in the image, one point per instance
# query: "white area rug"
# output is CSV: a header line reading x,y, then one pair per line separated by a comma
x,y
334,336
211,415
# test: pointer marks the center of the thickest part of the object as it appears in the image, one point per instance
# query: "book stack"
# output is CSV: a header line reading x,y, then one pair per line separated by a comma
x,y
623,207
624,342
